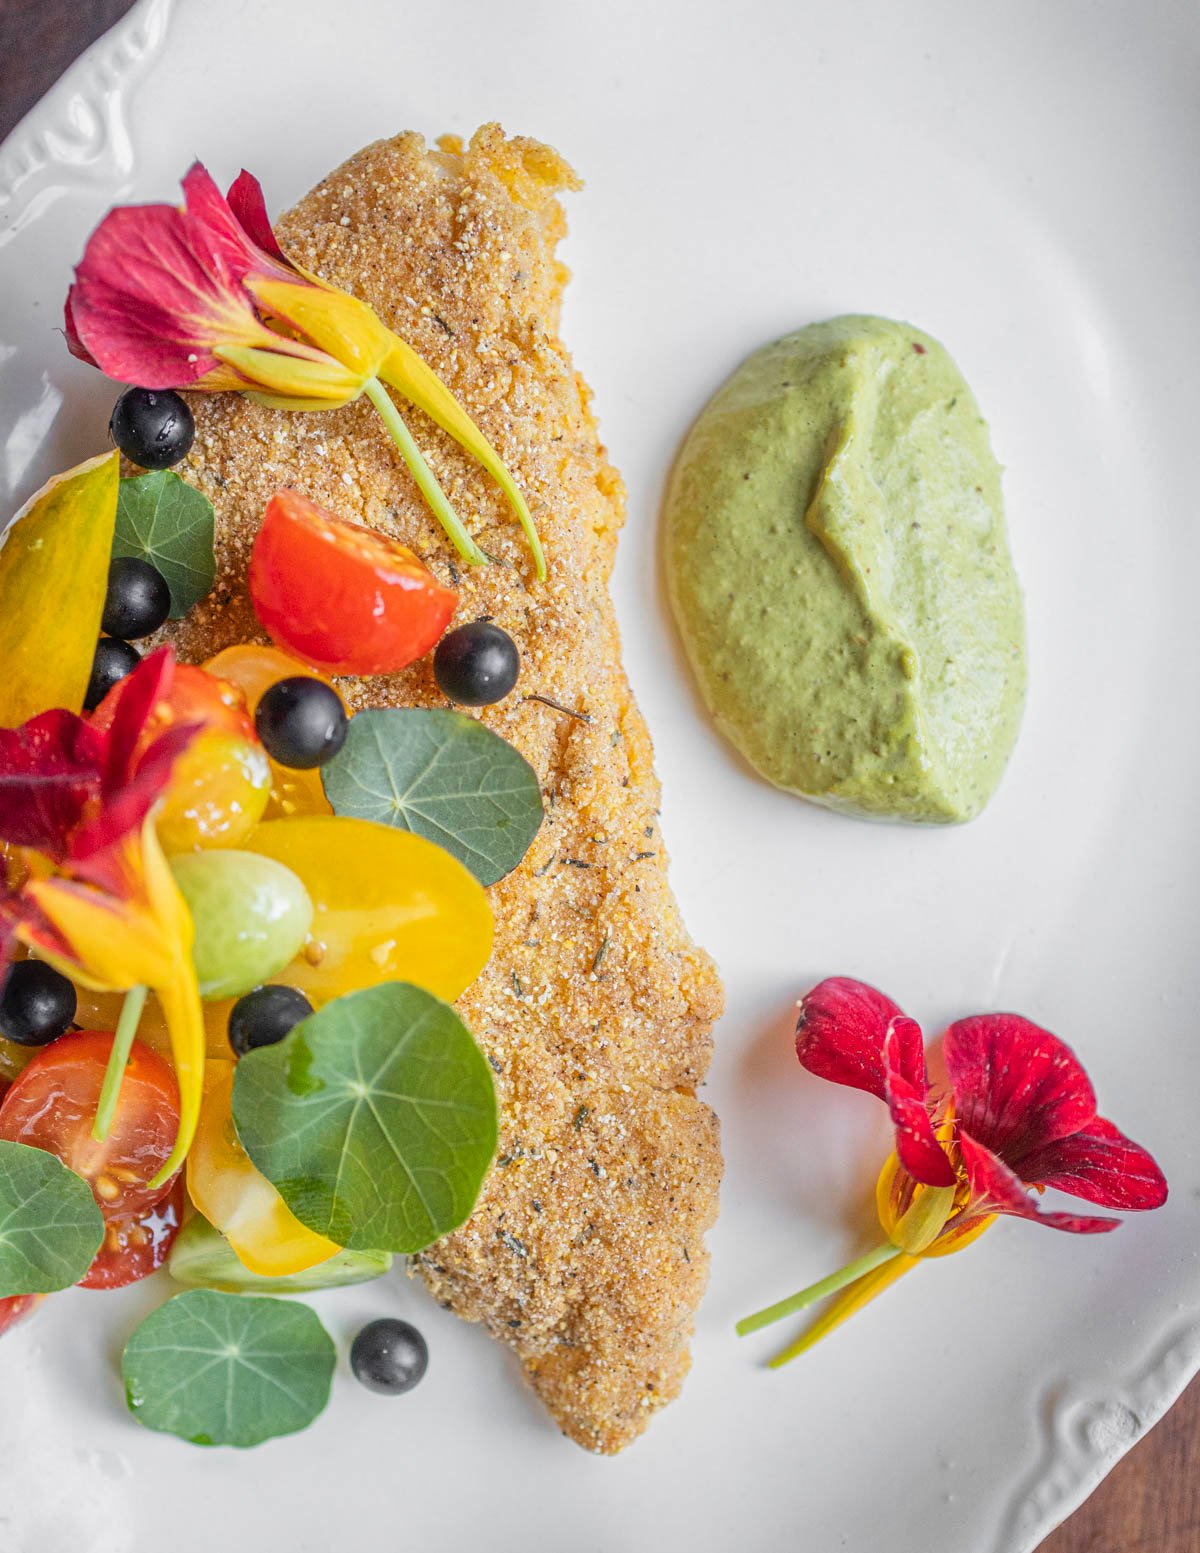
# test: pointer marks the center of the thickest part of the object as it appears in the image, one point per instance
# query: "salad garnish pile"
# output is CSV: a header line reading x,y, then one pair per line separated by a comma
x,y
233,917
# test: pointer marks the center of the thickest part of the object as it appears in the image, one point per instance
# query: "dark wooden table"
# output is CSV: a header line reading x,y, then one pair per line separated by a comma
x,y
1151,1502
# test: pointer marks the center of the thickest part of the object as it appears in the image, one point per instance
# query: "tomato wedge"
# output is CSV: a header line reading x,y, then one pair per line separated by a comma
x,y
137,1244
52,1105
16,1307
341,596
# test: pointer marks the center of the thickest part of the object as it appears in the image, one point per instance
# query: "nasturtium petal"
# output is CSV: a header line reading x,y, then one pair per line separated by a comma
x,y
375,1119
852,1034
60,542
443,775
1101,1165
164,520
228,1369
50,1226
1001,1190
1016,1086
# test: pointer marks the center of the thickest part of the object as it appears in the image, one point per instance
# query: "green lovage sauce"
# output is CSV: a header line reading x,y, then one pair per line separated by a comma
x,y
837,560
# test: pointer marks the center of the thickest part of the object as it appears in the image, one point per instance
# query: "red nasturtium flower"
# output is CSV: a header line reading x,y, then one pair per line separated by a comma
x,y
88,888
1019,1114
202,296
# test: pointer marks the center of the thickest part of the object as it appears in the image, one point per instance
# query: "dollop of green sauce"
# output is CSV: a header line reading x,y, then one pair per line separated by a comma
x,y
837,558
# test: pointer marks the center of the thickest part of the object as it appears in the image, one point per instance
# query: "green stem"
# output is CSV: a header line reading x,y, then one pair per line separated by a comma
x,y
818,1291
118,1058
423,475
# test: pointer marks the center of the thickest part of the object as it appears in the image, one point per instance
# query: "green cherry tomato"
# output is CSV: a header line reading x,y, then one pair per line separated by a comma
x,y
251,914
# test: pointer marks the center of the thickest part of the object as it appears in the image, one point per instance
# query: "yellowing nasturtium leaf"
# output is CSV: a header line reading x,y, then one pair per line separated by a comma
x,y
54,559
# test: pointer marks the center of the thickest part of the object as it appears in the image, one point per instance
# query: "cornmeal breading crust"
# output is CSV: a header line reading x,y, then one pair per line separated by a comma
x,y
585,1252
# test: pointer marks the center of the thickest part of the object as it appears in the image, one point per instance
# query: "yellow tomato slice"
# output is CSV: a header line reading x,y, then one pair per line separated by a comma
x,y
219,790
233,1196
254,669
387,906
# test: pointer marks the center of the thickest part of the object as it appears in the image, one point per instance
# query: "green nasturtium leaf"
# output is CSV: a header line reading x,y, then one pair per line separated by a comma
x,y
164,520
50,1226
228,1369
446,777
375,1119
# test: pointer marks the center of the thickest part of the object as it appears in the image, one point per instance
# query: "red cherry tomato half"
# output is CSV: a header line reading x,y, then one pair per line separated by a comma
x,y
340,596
136,1245
196,696
15,1307
52,1105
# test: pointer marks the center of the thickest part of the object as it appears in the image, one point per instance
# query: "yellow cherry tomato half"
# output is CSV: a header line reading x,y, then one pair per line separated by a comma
x,y
220,785
264,1233
254,669
218,792
387,906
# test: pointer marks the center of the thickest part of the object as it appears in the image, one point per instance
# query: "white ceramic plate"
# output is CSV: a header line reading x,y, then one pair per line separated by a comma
x,y
1020,180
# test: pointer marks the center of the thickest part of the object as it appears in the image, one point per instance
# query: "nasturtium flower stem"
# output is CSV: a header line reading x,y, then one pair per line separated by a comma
x,y
423,475
110,1090
818,1291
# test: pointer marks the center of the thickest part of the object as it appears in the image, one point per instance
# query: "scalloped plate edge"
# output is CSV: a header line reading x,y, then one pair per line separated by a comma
x,y
77,135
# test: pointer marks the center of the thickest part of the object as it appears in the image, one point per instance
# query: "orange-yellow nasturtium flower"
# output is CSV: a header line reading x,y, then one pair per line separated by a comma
x,y
202,296
89,889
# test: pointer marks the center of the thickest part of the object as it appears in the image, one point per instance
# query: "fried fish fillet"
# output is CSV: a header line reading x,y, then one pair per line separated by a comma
x,y
585,1252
